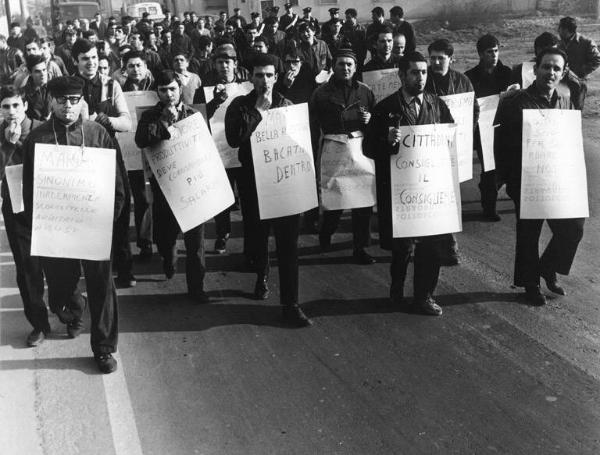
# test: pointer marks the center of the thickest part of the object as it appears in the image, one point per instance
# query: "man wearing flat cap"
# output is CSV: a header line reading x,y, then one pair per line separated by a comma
x,y
308,17
289,20
66,127
341,108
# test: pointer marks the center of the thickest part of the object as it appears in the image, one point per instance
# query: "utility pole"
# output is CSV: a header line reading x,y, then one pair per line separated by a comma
x,y
7,10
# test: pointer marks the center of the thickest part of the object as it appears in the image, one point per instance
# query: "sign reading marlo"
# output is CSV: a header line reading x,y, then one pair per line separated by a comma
x,y
425,189
73,202
190,173
283,162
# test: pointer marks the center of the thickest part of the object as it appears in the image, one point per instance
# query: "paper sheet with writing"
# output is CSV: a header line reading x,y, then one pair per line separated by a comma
x,y
283,162
382,82
553,177
73,202
461,108
229,155
425,188
527,74
14,180
487,112
347,175
190,173
132,155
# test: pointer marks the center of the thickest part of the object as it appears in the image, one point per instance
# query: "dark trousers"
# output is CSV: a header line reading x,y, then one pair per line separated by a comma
x,y
427,264
166,229
30,278
286,230
121,249
62,276
361,225
223,219
558,255
488,186
142,213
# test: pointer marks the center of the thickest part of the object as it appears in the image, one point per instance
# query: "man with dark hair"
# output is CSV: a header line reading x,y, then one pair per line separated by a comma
x,y
336,40
558,256
153,61
190,82
489,77
373,29
64,51
334,13
583,54
14,129
443,80
16,38
153,127
36,90
98,25
237,16
272,33
314,52
66,127
412,105
356,36
295,83
242,117
383,58
400,25
180,41
343,106
313,21
10,61
138,75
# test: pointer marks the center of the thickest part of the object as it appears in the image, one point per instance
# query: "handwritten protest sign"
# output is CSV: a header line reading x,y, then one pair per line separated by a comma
x,y
137,102
382,82
527,74
229,155
283,162
73,202
553,177
14,180
347,175
190,173
487,112
461,108
425,189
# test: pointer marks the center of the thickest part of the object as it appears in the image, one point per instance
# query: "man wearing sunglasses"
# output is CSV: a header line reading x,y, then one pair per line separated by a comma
x,y
66,127
242,117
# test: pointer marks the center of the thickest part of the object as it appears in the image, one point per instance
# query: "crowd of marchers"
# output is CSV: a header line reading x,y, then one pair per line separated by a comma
x,y
67,89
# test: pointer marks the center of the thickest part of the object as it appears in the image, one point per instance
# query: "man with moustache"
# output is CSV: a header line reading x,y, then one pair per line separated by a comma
x,y
411,105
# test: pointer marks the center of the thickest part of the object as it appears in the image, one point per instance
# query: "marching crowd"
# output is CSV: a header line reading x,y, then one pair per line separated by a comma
x,y
67,89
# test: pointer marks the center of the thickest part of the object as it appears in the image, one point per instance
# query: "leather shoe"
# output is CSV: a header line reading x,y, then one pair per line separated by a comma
x,y
36,337
106,362
427,306
362,257
198,296
491,216
261,289
74,328
325,242
552,284
169,268
534,296
125,280
294,316
221,244
396,296
145,254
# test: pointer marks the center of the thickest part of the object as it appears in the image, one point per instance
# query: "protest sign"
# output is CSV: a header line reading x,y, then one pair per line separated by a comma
x,y
14,180
461,108
527,74
190,173
137,102
487,113
425,189
73,202
283,162
229,155
382,82
347,175
553,177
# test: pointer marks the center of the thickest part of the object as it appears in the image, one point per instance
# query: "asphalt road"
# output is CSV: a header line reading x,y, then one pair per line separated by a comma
x,y
492,375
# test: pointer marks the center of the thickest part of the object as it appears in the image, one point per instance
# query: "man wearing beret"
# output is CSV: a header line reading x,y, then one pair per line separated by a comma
x,y
342,106
66,127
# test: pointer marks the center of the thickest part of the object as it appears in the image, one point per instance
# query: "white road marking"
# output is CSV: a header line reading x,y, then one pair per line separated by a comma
x,y
120,412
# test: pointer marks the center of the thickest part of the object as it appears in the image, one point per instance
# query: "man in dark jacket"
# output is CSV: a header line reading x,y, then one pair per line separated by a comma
x,y
551,64
582,52
242,117
343,106
14,129
384,58
152,129
489,77
403,27
409,106
66,127
36,88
